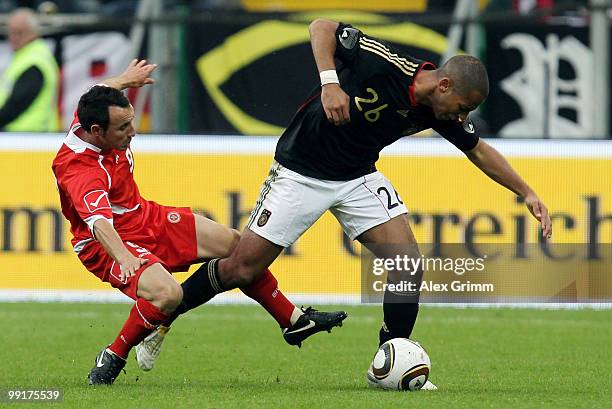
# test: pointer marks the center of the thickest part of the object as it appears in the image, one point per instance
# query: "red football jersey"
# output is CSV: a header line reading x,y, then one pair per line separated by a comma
x,y
94,185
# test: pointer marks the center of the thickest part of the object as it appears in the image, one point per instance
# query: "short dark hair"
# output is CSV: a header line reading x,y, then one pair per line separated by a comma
x,y
93,106
468,74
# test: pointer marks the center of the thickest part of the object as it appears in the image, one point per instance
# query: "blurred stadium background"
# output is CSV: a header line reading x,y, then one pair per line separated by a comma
x,y
232,73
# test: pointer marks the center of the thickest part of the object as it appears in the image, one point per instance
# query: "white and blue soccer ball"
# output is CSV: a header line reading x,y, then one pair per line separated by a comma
x,y
399,364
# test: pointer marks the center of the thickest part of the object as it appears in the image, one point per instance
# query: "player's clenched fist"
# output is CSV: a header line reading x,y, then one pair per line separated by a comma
x,y
335,103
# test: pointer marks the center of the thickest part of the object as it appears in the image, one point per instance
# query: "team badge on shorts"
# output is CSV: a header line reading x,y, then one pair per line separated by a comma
x,y
174,217
263,219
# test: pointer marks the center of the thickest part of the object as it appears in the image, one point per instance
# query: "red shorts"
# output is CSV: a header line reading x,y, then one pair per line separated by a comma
x,y
168,237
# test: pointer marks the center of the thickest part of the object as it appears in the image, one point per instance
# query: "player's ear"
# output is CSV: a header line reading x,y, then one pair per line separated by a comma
x,y
445,84
96,130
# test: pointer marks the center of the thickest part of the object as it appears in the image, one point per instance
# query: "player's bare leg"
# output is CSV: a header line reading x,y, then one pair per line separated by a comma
x,y
158,295
389,240
214,239
252,256
159,287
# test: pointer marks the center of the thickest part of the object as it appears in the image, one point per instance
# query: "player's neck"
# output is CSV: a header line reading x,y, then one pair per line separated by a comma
x,y
90,139
424,85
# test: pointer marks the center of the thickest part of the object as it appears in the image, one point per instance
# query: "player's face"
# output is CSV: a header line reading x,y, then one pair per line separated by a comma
x,y
449,105
120,129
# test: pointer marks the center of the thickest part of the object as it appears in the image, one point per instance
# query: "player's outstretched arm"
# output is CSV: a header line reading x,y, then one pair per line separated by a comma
x,y
323,41
109,239
137,74
491,162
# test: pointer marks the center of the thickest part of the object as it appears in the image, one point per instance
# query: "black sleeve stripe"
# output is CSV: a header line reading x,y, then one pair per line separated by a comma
x,y
406,66
384,48
409,72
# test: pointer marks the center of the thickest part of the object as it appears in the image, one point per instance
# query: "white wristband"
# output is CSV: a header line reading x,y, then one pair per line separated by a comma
x,y
329,77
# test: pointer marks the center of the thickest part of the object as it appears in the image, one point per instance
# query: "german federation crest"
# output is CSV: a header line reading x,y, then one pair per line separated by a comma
x,y
264,217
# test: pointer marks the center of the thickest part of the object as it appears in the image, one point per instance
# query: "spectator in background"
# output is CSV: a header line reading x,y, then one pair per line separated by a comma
x,y
28,87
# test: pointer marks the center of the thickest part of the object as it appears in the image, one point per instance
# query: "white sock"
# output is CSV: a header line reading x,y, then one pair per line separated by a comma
x,y
295,315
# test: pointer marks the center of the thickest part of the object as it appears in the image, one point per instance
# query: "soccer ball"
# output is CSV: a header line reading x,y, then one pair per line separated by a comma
x,y
399,364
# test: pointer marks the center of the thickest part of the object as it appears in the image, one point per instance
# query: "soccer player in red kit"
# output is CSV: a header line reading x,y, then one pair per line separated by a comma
x,y
134,244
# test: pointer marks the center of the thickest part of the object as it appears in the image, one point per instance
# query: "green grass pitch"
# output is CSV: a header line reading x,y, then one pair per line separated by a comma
x,y
234,357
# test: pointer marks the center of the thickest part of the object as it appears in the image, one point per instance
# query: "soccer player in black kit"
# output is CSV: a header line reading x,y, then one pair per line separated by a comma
x,y
370,96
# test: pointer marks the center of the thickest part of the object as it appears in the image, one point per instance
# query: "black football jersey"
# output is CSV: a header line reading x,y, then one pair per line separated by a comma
x,y
378,81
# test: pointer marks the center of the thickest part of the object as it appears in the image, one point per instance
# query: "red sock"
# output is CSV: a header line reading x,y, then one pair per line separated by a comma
x,y
264,290
143,318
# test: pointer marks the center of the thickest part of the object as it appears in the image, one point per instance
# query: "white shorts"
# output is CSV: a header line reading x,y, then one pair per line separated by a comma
x,y
289,203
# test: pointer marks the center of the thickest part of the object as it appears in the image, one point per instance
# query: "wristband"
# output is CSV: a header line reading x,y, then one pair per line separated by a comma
x,y
329,77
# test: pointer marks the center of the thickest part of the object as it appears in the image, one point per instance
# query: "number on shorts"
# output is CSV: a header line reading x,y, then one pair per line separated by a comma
x,y
390,204
138,249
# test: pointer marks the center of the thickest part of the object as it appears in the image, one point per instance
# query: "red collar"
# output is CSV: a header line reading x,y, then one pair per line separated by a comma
x,y
426,65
